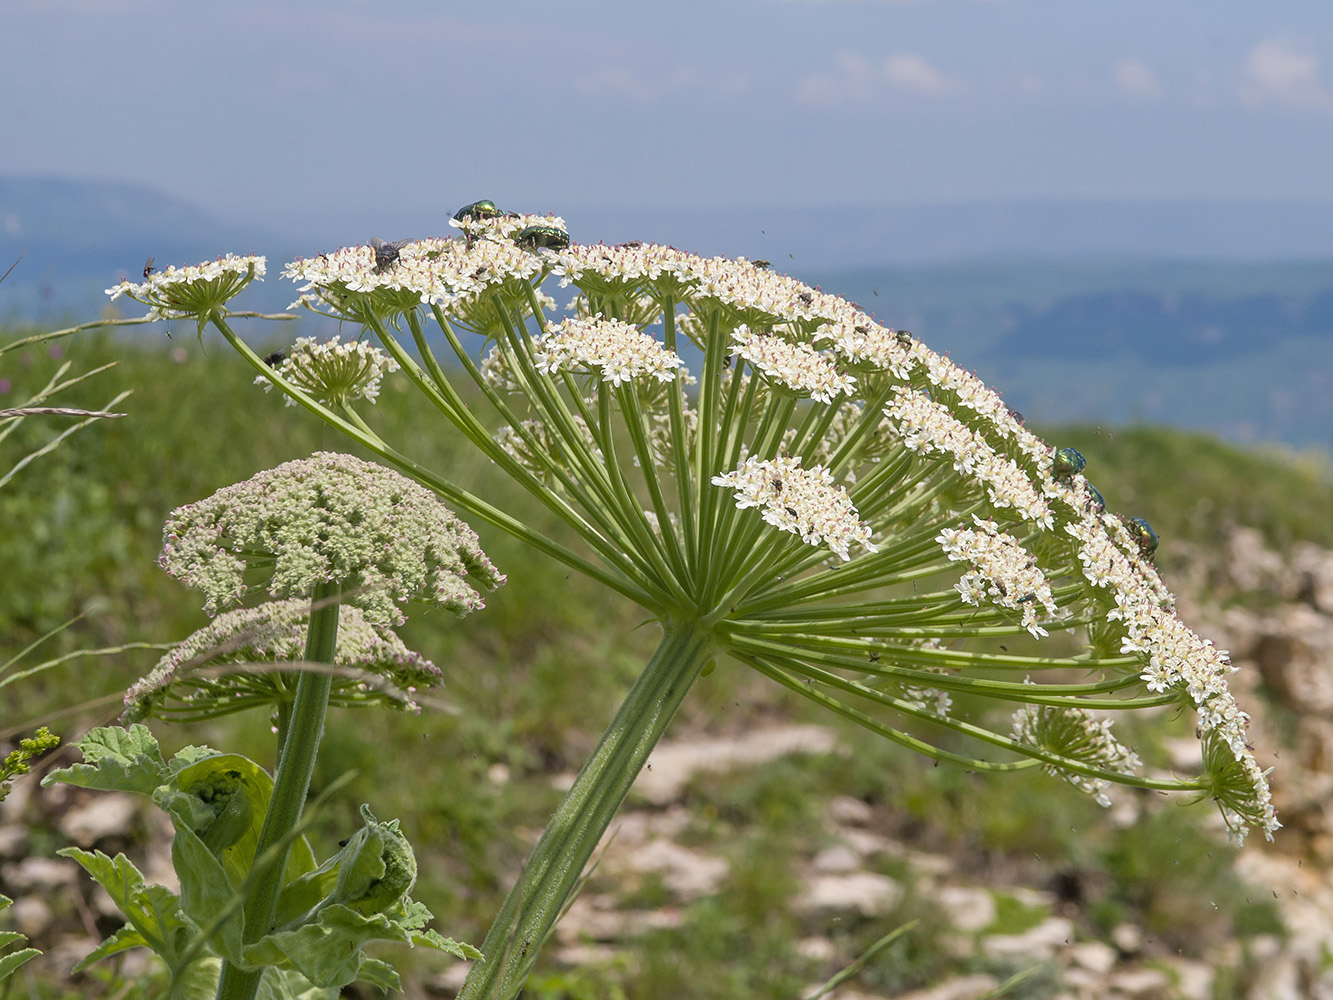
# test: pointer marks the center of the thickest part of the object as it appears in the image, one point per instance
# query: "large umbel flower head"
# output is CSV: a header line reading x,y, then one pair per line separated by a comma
x,y
782,480
843,509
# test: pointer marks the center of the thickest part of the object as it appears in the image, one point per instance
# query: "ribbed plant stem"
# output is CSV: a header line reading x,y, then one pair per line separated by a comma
x,y
296,765
543,889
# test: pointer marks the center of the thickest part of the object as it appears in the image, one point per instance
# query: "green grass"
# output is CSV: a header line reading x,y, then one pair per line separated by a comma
x,y
533,678
1192,487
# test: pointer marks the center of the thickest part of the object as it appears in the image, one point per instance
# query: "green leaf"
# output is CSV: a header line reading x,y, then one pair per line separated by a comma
x,y
284,984
379,974
153,911
122,760
223,798
207,894
303,894
10,962
459,949
327,950
123,940
198,982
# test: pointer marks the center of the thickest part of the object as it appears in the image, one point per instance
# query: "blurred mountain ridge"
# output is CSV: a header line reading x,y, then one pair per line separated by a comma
x,y
1197,314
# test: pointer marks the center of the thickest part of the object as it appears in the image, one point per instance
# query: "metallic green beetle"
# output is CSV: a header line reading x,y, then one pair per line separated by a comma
x,y
1067,462
1142,533
542,238
483,209
1096,502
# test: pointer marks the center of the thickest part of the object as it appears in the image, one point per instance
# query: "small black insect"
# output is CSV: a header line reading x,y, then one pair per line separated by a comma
x,y
148,267
1016,417
631,244
776,484
806,298
904,337
386,254
791,510
275,359
764,264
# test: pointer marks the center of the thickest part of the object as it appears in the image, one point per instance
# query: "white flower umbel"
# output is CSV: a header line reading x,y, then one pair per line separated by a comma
x,y
193,292
797,367
234,663
1003,572
823,499
331,372
618,351
805,502
329,518
1079,735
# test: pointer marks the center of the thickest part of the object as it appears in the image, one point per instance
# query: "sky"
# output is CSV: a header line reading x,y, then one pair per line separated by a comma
x,y
285,112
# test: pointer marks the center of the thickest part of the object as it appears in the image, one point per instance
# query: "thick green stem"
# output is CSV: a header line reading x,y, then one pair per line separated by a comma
x,y
296,765
548,880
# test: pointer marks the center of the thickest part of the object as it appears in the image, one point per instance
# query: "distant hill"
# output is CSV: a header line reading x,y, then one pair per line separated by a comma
x,y
1170,329
1243,350
1201,315
77,238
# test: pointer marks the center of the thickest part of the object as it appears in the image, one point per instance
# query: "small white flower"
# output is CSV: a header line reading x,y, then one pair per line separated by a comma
x,y
333,373
804,502
192,292
619,351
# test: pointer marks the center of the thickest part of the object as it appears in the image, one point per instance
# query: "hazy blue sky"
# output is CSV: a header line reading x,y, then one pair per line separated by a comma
x,y
282,111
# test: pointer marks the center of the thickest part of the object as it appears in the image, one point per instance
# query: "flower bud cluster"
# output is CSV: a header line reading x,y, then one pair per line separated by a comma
x,y
227,665
1076,734
328,519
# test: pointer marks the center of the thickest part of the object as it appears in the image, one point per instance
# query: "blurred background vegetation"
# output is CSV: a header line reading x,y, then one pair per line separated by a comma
x,y
534,677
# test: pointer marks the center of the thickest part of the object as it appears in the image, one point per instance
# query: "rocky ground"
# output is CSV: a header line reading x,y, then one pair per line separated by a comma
x,y
1273,612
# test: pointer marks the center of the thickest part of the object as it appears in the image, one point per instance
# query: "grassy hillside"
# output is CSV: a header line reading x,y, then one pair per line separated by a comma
x,y
532,679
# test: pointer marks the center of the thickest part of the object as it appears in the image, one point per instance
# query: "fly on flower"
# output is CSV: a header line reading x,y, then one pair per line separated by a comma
x,y
386,253
148,267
